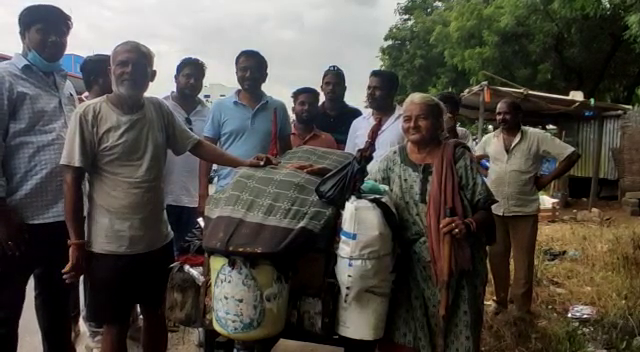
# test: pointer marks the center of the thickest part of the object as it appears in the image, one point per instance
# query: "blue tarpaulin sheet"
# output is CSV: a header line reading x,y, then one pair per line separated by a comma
x,y
548,165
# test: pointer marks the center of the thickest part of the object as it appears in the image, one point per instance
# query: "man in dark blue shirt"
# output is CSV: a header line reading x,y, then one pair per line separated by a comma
x,y
336,115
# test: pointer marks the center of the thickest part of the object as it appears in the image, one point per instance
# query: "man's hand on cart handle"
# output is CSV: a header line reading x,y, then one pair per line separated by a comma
x,y
262,160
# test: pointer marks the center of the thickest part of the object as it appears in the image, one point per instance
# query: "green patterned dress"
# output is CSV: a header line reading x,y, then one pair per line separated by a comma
x,y
413,314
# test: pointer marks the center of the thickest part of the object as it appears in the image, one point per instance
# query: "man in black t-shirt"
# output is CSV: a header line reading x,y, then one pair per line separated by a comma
x,y
335,116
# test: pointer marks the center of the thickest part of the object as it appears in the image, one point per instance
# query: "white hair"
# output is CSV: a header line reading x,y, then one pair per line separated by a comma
x,y
133,45
431,103
425,99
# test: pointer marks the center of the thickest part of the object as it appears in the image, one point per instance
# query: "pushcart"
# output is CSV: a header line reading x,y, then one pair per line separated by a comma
x,y
313,296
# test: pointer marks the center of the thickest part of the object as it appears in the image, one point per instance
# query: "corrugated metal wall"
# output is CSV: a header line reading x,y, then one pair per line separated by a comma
x,y
583,136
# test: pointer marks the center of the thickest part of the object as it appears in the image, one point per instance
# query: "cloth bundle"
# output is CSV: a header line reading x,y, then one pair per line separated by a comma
x,y
272,210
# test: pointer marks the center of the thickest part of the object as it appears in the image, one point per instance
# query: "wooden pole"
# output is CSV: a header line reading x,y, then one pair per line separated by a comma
x,y
595,172
481,113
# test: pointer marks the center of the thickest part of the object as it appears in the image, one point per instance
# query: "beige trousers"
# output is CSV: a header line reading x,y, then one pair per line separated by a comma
x,y
517,233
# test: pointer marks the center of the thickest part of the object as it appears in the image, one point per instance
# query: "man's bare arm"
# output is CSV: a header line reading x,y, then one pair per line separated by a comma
x,y
74,202
208,152
563,167
203,180
284,145
205,169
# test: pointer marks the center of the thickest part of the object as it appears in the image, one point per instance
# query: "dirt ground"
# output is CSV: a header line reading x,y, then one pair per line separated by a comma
x,y
184,341
570,274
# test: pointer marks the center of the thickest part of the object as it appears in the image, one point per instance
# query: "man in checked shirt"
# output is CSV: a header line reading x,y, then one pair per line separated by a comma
x,y
35,101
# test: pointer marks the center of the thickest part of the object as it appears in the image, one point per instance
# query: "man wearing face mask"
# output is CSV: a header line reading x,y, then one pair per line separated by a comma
x,y
305,109
245,123
121,141
381,94
181,173
35,101
516,154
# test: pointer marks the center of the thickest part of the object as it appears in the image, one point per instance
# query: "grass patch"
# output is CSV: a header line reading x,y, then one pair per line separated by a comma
x,y
606,275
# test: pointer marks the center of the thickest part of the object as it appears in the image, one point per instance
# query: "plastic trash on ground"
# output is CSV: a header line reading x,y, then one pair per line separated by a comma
x,y
580,312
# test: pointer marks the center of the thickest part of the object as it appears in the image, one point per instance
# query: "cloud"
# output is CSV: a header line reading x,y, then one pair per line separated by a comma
x,y
299,38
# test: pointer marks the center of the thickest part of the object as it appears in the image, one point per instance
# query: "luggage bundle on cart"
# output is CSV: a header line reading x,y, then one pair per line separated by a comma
x,y
270,242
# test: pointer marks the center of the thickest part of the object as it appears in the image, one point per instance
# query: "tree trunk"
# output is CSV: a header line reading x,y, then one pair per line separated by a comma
x,y
592,87
631,89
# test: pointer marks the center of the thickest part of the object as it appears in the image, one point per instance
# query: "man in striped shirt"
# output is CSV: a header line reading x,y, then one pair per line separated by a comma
x,y
35,101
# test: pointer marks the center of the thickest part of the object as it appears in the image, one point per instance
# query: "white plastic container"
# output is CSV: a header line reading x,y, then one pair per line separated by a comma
x,y
249,302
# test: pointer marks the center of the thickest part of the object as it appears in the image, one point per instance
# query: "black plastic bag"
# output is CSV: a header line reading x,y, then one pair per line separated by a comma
x,y
336,188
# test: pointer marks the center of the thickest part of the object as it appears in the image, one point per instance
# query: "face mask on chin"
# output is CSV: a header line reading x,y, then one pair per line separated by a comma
x,y
41,64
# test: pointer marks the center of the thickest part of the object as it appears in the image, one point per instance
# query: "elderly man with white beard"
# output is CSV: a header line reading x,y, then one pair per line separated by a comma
x,y
120,142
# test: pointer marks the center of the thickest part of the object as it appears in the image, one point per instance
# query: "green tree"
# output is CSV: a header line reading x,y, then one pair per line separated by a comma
x,y
550,45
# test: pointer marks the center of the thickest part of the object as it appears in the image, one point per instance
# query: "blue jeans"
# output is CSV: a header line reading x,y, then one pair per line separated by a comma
x,y
182,220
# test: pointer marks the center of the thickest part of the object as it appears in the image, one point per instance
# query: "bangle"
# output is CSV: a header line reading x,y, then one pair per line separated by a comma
x,y
471,224
77,242
467,227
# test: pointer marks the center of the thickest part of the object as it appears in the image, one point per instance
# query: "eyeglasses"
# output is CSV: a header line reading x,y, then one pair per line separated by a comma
x,y
189,123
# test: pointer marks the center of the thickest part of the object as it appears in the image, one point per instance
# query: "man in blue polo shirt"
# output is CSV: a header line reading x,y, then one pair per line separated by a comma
x,y
243,123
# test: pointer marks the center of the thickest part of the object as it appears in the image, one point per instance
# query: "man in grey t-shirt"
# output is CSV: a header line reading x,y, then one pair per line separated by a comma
x,y
120,141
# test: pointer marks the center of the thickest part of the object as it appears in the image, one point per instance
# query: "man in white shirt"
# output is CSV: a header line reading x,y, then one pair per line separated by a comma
x,y
452,102
516,153
381,94
181,172
120,141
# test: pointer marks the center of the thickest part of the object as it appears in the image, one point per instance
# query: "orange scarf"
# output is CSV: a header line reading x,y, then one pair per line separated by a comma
x,y
445,193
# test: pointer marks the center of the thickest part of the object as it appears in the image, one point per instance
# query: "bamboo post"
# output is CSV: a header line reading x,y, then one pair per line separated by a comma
x,y
481,112
561,185
595,172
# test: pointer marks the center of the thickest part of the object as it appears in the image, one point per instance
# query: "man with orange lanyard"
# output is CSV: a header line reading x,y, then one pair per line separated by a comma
x,y
246,123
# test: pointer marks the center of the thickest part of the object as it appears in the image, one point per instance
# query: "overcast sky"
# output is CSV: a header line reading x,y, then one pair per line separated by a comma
x,y
299,38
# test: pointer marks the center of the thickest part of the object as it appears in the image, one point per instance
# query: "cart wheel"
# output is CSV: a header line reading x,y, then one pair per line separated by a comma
x,y
214,343
201,337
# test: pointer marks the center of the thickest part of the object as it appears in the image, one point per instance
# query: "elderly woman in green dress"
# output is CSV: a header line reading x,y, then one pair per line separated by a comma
x,y
418,192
